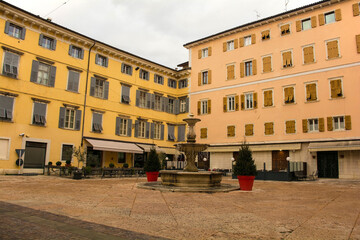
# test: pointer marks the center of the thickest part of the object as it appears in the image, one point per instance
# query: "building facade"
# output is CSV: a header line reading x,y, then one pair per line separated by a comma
x,y
60,89
288,85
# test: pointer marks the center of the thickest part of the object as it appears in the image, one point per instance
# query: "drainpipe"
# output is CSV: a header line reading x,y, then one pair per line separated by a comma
x,y
86,87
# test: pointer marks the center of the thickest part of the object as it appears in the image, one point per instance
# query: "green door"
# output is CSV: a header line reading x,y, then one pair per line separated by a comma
x,y
35,153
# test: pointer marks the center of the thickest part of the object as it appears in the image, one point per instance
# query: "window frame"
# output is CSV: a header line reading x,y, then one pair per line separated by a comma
x,y
183,83
76,52
123,96
230,45
21,29
268,36
289,86
48,72
271,61
33,116
6,119
227,131
69,118
142,129
246,73
341,84
316,91
68,79
123,126
126,69
328,13
247,40
204,52
7,152
272,97
303,54
4,72
144,75
157,131
273,129
172,83
142,99
230,102
291,59
52,42
92,122
250,101
340,128
204,106
62,152
229,65
326,48
203,74
285,33
182,105
290,120
308,21
99,91
158,79
101,60
313,122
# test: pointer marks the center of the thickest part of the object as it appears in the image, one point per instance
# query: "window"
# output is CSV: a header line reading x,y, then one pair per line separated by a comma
x,y
249,129
290,126
171,108
172,83
127,69
142,99
183,105
73,81
142,129
268,98
267,66
204,78
183,83
269,128
339,123
311,92
329,17
39,114
306,24
248,68
43,73
157,131
123,126
287,59
97,122
265,35
247,40
125,94
230,72
4,148
203,132
99,88
144,74
313,125
249,101
171,135
336,88
47,42
121,157
76,52
332,48
204,107
69,118
230,103
6,108
231,131
285,29
204,53
66,152
101,60
14,30
11,64
158,79
308,54
181,133
230,45
289,95
157,103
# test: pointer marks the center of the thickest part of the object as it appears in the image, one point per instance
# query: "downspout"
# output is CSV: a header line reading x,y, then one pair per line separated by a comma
x,y
86,87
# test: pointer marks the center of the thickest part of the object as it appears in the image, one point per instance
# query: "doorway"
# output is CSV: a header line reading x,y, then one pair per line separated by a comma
x,y
328,164
279,162
94,158
35,154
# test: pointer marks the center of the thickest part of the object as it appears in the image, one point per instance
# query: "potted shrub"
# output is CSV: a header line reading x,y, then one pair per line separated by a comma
x,y
58,163
125,165
111,165
245,168
68,163
152,166
80,155
50,163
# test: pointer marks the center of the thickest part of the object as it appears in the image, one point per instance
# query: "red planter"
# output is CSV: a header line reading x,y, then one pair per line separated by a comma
x,y
152,176
246,182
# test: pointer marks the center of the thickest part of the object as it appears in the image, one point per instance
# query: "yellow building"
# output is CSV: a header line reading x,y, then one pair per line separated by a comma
x,y
288,85
61,89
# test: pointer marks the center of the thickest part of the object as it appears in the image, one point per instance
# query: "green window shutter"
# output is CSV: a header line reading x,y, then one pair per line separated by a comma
x,y
23,31
34,71
137,103
181,133
117,126
152,129
147,130
7,24
62,117
41,39
77,119
129,127
162,131
136,133
52,76
106,90
92,86
53,46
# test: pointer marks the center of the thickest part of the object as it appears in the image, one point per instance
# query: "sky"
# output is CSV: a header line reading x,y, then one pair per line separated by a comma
x,y
154,29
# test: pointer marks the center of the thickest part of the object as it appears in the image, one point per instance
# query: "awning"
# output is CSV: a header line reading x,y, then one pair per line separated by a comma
x,y
256,148
112,146
334,146
147,147
170,151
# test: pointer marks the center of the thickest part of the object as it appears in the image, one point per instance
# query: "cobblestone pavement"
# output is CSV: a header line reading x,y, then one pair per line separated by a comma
x,y
48,207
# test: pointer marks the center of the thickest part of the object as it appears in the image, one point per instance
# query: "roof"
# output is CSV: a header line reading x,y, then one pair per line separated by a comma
x,y
228,32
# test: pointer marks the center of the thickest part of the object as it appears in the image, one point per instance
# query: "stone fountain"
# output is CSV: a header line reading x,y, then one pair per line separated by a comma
x,y
190,176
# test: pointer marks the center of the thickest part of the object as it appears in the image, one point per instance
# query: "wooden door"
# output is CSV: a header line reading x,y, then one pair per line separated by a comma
x,y
279,162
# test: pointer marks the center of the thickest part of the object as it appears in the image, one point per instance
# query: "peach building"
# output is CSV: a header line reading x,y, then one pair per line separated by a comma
x,y
288,85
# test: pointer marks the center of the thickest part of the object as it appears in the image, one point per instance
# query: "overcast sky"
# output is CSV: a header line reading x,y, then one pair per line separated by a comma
x,y
154,29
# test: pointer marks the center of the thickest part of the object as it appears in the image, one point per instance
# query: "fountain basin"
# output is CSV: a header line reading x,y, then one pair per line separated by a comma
x,y
190,179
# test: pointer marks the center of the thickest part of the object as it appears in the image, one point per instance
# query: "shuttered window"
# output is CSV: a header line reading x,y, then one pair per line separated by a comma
x,y
308,54
267,64
230,72
204,77
285,29
269,128
181,133
47,42
311,92
43,73
268,98
142,129
39,114
231,131
14,30
101,60
125,94
6,108
69,118
265,35
203,132
290,126
127,69
289,95
332,49
11,64
355,8
287,59
204,107
143,74
97,122
99,88
76,52
157,131
336,88
73,81
330,17
249,129
248,68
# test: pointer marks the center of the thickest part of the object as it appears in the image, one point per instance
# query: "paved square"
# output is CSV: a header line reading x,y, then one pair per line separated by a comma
x,y
43,207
